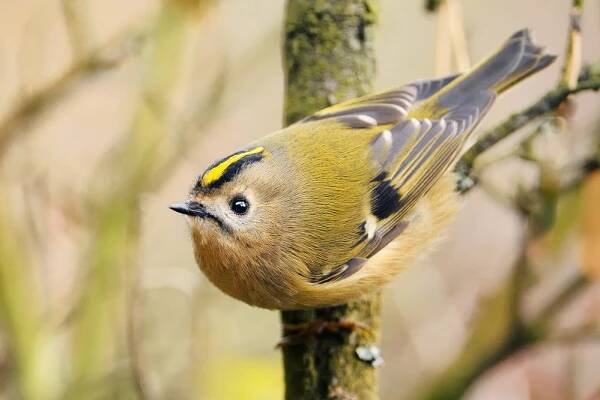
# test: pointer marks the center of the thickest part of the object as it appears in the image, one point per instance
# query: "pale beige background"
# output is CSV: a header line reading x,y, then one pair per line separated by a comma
x,y
187,322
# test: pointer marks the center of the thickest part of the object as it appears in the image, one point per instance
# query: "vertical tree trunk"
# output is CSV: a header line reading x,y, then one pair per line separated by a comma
x,y
328,58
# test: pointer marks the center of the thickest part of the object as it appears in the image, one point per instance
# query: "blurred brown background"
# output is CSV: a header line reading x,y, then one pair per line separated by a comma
x,y
189,340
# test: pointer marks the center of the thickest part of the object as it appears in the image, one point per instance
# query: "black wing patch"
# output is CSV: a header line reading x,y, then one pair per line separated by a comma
x,y
385,200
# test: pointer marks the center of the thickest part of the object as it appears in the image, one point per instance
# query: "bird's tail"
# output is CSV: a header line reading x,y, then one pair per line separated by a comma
x,y
518,58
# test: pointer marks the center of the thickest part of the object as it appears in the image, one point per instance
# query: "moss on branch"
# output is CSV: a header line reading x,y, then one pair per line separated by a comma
x,y
328,54
329,57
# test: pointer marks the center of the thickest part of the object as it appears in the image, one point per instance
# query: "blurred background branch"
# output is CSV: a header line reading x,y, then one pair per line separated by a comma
x,y
499,330
21,315
144,157
451,42
105,57
572,65
140,163
77,22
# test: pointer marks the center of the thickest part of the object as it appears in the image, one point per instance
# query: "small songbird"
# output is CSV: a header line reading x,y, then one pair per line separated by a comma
x,y
335,205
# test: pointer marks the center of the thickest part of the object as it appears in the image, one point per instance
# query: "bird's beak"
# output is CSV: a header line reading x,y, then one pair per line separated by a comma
x,y
191,208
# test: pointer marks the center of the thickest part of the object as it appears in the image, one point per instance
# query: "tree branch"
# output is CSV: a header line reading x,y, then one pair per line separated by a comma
x,y
329,57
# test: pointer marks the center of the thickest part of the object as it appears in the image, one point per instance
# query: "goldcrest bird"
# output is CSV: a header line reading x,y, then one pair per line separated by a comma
x,y
335,205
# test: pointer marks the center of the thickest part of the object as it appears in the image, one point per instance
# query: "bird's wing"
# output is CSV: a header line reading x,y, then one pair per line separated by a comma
x,y
409,154
411,157
424,135
386,108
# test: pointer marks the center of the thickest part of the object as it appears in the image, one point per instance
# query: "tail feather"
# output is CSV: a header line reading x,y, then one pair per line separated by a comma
x,y
518,58
532,59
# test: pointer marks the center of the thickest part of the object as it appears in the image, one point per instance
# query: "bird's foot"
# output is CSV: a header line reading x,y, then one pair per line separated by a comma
x,y
294,334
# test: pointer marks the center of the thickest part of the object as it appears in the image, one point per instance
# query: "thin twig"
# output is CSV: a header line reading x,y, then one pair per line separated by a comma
x,y
458,38
450,41
587,331
540,323
77,27
572,66
443,46
588,80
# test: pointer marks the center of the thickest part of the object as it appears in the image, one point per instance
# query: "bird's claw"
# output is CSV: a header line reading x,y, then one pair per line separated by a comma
x,y
297,333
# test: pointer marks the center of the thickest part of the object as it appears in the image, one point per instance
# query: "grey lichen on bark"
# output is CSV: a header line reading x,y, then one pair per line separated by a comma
x,y
328,58
328,53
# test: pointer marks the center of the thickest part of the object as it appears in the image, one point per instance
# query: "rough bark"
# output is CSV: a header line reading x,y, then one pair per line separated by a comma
x,y
329,57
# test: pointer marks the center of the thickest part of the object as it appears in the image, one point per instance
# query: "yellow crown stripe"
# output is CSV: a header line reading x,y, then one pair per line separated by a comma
x,y
215,173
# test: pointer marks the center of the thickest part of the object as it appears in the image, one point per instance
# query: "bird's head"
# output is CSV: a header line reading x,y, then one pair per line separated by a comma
x,y
238,204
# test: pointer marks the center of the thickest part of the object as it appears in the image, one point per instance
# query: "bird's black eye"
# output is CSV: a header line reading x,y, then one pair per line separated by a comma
x,y
239,205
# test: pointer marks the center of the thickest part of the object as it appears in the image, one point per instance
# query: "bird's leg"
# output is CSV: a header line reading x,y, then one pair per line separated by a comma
x,y
297,333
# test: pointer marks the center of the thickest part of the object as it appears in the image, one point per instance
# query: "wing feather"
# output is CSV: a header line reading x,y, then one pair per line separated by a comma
x,y
387,108
417,133
409,155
